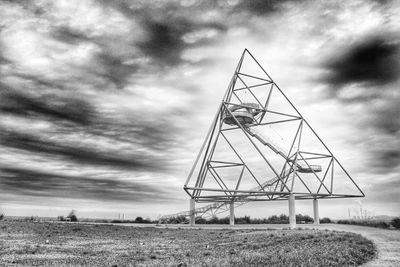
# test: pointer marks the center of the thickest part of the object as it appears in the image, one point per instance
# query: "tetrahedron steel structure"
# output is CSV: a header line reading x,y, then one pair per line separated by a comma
x,y
260,148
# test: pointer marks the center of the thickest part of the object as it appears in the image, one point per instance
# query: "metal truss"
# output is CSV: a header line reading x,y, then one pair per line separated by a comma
x,y
252,106
210,210
204,212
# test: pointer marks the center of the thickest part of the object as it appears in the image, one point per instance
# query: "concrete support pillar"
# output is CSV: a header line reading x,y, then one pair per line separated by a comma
x,y
316,211
292,212
232,214
192,213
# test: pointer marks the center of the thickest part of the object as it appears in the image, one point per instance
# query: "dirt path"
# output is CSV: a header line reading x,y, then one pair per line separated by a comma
x,y
387,241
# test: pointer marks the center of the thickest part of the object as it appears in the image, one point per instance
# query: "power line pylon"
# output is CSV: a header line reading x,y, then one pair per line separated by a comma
x,y
260,148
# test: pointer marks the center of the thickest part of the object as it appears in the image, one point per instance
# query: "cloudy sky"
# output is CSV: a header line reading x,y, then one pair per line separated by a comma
x,y
104,104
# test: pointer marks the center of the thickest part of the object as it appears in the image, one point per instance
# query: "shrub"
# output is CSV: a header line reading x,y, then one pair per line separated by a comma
x,y
380,224
139,220
147,220
1,216
304,219
325,220
370,223
30,219
72,216
396,223
281,219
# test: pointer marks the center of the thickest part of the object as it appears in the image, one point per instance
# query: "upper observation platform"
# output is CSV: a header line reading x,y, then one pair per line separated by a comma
x,y
244,114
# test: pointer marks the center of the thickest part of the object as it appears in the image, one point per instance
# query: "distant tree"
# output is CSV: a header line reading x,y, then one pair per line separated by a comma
x,y
273,219
181,219
396,223
308,219
72,216
213,220
224,220
243,220
283,218
1,216
200,220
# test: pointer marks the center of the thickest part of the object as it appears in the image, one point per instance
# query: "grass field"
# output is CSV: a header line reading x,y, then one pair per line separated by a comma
x,y
70,244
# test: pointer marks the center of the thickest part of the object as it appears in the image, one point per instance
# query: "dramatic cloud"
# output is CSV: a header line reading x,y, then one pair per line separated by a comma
x,y
167,38
83,155
39,183
367,74
371,61
53,107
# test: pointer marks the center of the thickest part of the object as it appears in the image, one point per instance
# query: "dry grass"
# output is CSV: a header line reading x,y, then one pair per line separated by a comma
x,y
24,243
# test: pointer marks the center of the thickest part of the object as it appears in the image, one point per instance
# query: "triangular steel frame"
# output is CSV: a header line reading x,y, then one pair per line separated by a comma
x,y
275,188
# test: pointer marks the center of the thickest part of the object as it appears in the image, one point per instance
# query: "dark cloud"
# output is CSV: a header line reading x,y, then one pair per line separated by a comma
x,y
155,133
106,63
27,5
165,25
373,61
373,64
387,118
38,81
383,159
165,43
28,182
48,107
123,6
387,123
69,35
74,152
73,115
114,68
3,60
260,7
386,191
382,2
387,159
